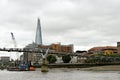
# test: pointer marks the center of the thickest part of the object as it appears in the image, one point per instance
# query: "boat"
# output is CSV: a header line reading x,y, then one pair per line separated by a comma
x,y
13,69
21,67
31,68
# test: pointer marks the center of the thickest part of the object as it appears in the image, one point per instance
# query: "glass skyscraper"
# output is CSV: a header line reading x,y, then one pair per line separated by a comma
x,y
38,38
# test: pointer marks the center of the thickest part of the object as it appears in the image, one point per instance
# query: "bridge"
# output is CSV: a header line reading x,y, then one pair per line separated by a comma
x,y
36,50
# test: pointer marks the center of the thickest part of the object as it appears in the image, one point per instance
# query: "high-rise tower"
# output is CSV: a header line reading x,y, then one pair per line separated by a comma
x,y
38,38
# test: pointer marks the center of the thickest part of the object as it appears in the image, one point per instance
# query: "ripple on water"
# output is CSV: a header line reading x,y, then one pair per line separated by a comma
x,y
60,74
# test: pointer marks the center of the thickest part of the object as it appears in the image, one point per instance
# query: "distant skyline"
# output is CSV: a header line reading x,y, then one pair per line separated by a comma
x,y
84,23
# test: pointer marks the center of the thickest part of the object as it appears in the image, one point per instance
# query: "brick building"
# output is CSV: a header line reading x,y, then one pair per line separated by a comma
x,y
104,49
58,48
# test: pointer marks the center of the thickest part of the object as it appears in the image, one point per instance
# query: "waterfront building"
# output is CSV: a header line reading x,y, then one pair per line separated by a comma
x,y
4,59
118,47
21,58
30,56
106,50
58,47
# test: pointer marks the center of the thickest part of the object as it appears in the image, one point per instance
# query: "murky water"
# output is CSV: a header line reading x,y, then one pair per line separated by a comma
x,y
60,74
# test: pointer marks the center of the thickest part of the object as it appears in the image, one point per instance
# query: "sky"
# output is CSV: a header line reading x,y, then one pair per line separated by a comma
x,y
84,23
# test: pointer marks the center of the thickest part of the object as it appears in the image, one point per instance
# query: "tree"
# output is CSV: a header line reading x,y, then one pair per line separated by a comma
x,y
66,58
51,58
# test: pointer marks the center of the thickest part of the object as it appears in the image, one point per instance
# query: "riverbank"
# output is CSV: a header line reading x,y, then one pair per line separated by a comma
x,y
95,68
77,65
102,68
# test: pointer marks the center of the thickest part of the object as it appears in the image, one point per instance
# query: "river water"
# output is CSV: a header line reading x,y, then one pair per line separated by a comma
x,y
60,74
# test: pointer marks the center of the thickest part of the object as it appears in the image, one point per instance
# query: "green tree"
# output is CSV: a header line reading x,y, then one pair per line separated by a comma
x,y
51,58
66,58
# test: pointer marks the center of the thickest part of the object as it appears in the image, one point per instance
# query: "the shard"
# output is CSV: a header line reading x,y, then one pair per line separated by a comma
x,y
38,38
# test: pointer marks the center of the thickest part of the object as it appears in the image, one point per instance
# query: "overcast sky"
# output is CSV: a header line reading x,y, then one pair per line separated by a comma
x,y
84,23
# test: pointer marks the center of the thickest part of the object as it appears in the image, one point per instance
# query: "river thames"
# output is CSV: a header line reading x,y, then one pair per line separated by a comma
x,y
60,74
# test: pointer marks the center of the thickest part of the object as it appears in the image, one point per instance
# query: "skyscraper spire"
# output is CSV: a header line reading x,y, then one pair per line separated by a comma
x,y
38,38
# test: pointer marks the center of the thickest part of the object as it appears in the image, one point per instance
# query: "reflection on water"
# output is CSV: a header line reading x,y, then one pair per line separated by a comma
x,y
60,74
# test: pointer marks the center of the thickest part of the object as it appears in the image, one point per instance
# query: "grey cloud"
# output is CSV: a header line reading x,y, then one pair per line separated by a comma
x,y
84,23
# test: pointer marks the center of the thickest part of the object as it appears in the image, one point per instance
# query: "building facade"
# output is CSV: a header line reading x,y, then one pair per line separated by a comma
x,y
4,59
58,47
118,47
32,57
106,50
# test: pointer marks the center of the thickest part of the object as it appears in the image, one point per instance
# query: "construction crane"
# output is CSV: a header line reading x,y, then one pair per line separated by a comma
x,y
14,41
15,44
21,65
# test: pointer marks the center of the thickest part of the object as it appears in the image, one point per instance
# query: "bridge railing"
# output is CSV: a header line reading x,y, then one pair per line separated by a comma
x,y
32,50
